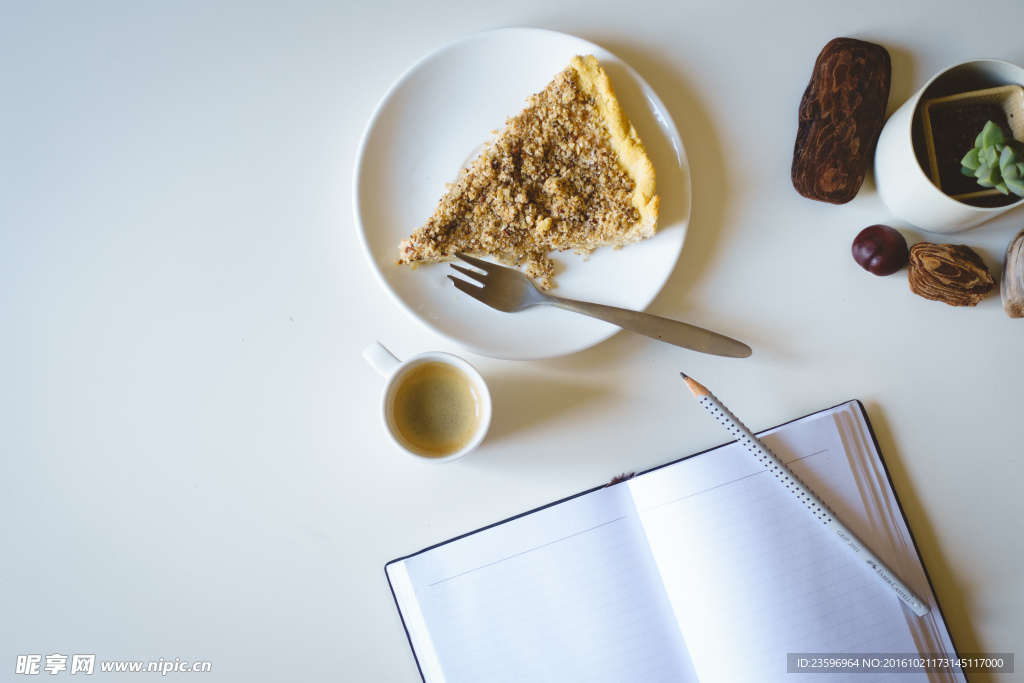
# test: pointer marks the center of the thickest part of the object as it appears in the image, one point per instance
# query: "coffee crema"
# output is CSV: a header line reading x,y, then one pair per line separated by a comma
x,y
436,409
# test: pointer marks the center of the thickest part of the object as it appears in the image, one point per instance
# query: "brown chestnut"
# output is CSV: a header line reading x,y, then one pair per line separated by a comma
x,y
880,250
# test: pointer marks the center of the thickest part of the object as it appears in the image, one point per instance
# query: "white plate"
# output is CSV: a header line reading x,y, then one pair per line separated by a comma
x,y
435,120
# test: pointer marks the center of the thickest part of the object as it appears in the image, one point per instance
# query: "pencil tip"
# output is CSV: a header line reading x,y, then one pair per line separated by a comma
x,y
696,387
683,375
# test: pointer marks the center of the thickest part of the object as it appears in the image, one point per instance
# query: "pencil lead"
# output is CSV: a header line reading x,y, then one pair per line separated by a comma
x,y
683,375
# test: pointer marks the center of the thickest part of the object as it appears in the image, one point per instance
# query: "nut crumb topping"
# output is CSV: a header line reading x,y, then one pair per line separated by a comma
x,y
551,181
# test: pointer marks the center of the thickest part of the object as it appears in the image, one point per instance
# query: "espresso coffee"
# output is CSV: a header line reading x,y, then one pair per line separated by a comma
x,y
436,409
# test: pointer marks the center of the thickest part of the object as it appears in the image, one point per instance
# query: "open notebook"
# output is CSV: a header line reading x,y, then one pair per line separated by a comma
x,y
705,569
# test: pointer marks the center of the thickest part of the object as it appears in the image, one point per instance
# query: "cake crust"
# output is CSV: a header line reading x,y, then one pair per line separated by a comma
x,y
625,141
569,172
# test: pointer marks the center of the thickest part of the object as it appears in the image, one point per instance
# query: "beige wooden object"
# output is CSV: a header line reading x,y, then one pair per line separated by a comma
x,y
1012,287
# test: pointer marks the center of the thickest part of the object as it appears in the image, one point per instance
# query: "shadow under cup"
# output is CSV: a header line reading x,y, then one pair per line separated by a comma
x,y
437,407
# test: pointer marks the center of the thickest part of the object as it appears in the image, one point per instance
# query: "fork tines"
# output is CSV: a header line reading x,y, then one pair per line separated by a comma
x,y
476,275
466,288
472,289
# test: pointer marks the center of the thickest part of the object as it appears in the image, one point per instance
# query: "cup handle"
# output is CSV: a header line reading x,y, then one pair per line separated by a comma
x,y
382,360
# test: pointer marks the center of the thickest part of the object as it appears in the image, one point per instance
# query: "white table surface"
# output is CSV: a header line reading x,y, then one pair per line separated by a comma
x,y
191,460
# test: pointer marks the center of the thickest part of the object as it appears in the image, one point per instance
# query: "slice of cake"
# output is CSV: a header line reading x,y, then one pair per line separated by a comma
x,y
569,172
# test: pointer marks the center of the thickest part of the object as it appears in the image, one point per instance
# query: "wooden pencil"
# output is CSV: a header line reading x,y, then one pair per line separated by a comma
x,y
810,499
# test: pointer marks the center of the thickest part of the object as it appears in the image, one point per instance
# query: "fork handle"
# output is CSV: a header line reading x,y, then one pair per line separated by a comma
x,y
655,327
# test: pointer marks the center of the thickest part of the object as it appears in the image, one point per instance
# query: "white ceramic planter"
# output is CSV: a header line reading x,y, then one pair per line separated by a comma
x,y
903,184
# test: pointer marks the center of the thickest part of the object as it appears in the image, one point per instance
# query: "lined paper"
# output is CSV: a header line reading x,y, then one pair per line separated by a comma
x,y
706,569
569,593
751,575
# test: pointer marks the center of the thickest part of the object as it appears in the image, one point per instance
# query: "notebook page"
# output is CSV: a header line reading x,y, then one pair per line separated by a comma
x,y
566,593
880,517
751,574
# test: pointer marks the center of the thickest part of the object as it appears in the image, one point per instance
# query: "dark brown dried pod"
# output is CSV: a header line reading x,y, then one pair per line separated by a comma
x,y
950,273
841,114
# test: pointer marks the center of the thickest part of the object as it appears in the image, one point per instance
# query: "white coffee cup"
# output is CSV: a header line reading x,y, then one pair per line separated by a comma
x,y
435,406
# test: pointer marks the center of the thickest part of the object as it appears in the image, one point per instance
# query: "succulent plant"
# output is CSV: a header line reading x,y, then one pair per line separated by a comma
x,y
996,161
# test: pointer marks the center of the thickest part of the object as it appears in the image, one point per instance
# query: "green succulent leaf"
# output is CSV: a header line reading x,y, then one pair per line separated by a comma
x,y
971,160
1007,157
989,176
991,157
996,161
991,134
1015,185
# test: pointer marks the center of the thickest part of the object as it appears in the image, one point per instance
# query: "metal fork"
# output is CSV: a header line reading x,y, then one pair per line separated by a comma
x,y
509,290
